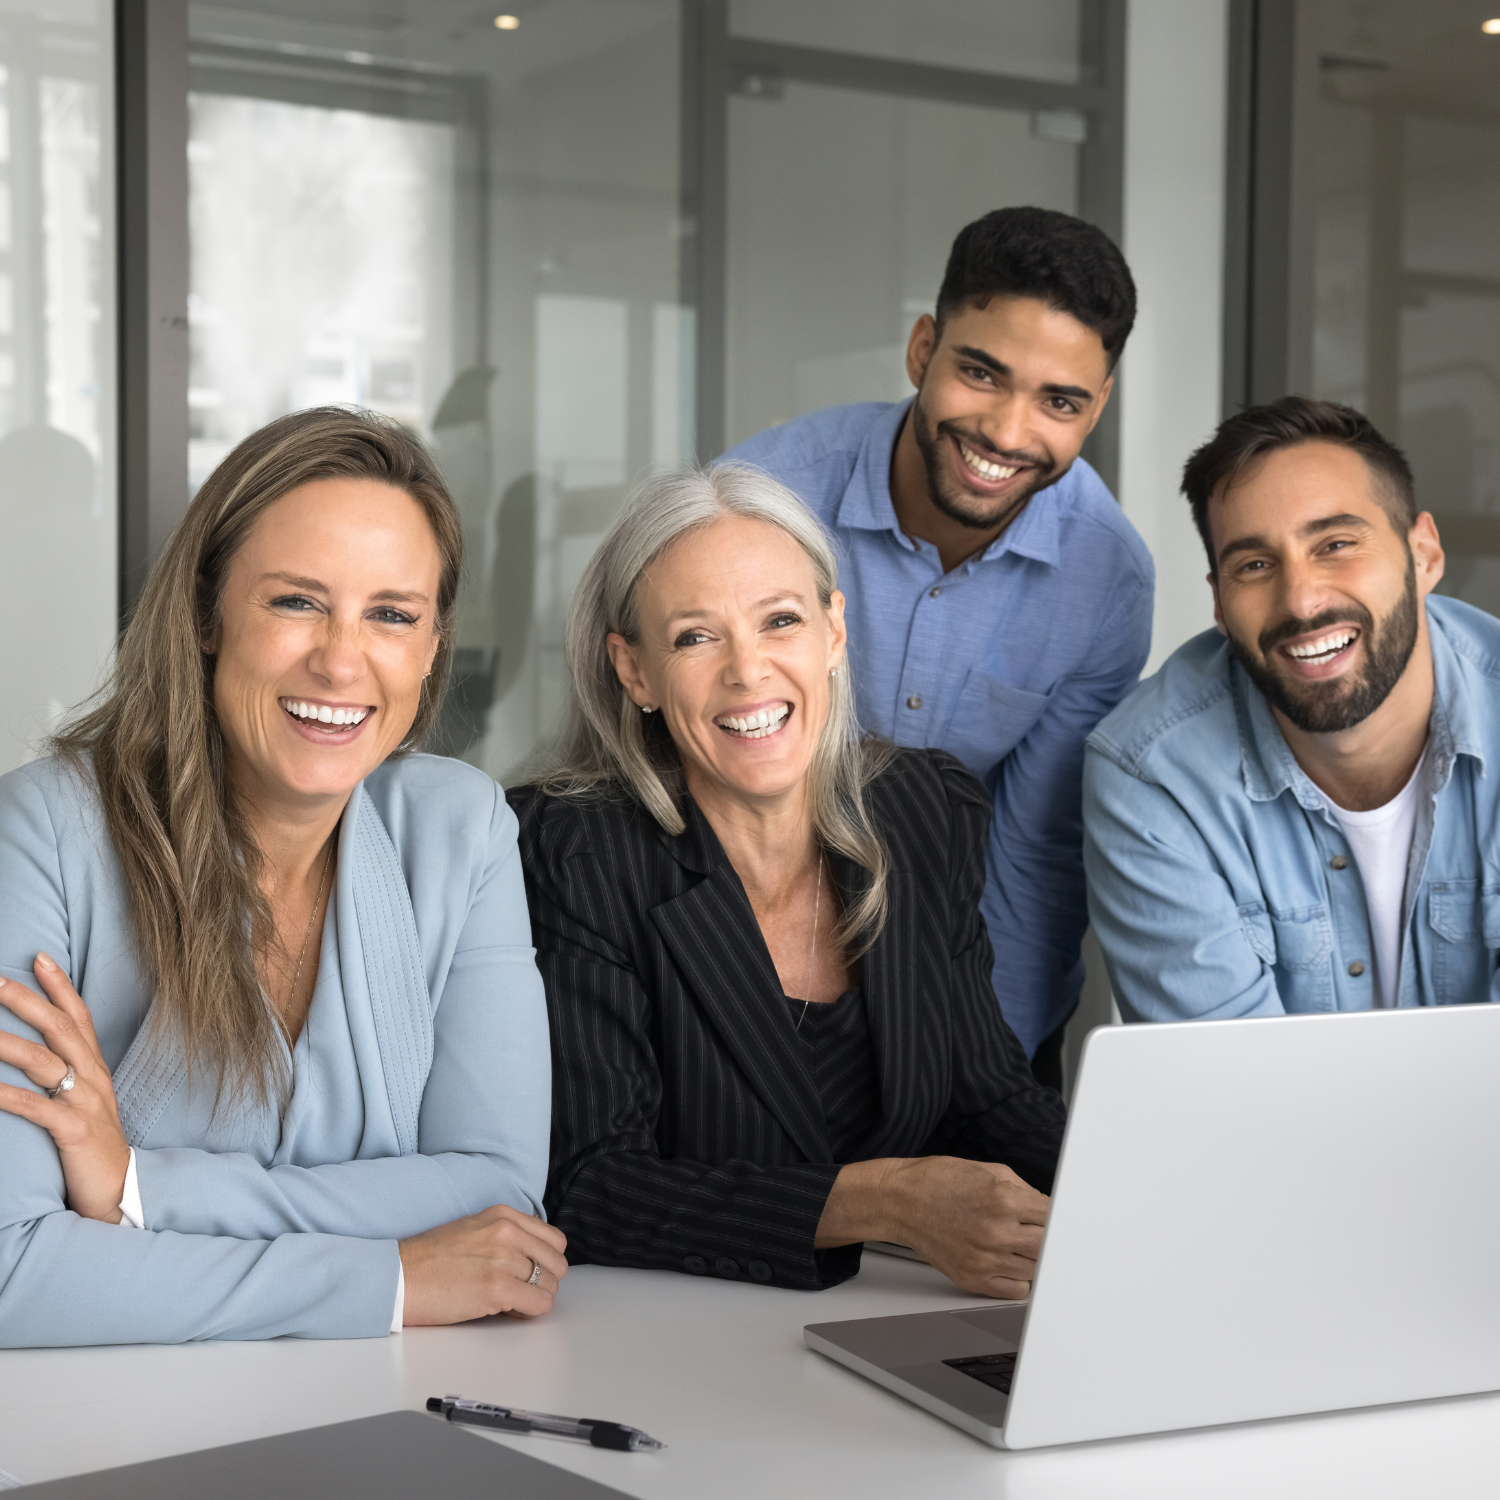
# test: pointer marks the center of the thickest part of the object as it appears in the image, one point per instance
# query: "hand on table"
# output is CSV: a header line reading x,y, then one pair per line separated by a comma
x,y
84,1120
976,1221
479,1266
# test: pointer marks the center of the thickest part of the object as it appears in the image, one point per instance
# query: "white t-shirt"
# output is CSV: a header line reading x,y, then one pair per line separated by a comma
x,y
1381,843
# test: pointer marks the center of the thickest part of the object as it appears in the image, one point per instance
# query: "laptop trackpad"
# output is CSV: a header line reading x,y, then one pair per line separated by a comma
x,y
1001,1322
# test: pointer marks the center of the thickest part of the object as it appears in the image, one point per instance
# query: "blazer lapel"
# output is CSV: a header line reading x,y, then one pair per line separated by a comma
x,y
712,935
894,970
380,955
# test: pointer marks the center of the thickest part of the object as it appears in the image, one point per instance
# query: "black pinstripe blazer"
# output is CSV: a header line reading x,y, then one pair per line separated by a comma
x,y
686,1129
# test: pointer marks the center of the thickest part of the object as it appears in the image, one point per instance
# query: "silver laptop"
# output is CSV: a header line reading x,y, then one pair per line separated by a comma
x,y
1252,1219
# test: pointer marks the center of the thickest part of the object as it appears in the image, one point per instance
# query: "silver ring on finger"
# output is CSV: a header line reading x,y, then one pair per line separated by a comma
x,y
65,1084
536,1273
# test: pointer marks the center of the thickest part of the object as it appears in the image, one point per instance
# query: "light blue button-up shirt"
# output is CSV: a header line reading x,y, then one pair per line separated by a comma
x,y
1221,883
1008,662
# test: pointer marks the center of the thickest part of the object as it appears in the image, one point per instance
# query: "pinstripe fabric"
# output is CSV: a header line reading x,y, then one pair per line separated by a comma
x,y
836,1039
687,1130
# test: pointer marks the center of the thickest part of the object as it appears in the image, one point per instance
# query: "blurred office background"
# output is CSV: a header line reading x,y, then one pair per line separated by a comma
x,y
571,240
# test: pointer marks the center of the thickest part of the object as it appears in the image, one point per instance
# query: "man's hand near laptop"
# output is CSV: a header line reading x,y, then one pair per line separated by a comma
x,y
976,1221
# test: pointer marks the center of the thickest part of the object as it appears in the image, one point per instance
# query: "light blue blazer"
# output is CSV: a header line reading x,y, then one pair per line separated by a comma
x,y
421,1093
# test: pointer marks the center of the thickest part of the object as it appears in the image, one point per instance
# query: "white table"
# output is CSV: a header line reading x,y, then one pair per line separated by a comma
x,y
719,1372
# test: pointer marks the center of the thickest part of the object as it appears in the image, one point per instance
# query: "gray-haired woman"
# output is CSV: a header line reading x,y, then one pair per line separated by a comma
x,y
773,1027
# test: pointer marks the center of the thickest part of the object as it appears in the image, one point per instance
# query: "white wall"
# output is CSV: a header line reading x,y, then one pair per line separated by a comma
x,y
1175,89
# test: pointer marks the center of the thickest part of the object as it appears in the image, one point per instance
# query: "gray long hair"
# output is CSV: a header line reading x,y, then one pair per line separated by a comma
x,y
608,743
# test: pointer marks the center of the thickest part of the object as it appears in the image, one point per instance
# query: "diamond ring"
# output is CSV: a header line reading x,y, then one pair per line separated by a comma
x,y
65,1086
536,1273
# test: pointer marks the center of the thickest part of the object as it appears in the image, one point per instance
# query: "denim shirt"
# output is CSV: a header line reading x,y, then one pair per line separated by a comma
x,y
1007,662
1220,883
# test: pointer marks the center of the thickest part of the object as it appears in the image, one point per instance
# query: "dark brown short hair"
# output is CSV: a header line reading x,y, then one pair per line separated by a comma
x,y
1288,423
1067,264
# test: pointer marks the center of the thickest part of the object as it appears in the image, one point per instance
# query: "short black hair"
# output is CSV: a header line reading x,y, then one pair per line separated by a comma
x,y
1288,423
1037,252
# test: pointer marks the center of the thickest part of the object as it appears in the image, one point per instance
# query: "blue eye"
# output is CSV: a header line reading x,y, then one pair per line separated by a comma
x,y
390,616
298,602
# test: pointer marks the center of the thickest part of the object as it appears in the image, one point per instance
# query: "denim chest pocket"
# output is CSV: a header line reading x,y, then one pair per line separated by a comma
x,y
1464,911
1464,916
990,720
1298,939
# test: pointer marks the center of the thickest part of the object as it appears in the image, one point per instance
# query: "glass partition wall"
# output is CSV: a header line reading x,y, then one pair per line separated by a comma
x,y
1392,299
57,387
576,240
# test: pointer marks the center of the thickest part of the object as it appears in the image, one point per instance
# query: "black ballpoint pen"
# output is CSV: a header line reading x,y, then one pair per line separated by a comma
x,y
513,1419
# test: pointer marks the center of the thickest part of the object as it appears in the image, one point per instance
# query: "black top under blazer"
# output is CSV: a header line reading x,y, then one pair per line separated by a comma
x,y
687,1132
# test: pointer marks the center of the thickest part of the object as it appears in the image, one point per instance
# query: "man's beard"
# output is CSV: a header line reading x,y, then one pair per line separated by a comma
x,y
960,506
1341,702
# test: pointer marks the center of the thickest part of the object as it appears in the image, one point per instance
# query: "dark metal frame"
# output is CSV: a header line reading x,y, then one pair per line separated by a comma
x,y
715,64
1268,241
151,146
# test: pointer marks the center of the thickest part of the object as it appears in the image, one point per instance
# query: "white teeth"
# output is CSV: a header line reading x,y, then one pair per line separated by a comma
x,y
983,467
322,714
758,725
1326,645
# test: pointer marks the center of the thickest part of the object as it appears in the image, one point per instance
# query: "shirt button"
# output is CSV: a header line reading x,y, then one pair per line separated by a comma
x,y
933,593
1339,862
694,1263
759,1271
914,701
1356,968
727,1267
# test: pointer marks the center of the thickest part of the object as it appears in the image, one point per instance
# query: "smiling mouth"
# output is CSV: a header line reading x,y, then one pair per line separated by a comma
x,y
1324,649
324,716
984,468
759,725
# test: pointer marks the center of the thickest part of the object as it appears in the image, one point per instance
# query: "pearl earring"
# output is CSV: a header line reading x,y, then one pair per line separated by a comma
x,y
647,709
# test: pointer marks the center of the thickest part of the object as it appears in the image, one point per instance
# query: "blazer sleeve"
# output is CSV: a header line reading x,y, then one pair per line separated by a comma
x,y
614,1194
997,1111
482,1129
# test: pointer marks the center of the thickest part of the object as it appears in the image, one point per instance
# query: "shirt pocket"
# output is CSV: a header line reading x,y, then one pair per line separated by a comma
x,y
990,720
1464,916
1297,942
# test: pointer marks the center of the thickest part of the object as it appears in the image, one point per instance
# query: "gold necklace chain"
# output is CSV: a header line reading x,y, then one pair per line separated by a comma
x,y
306,936
813,949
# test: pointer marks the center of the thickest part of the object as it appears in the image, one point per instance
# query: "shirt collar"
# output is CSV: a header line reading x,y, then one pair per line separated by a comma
x,y
1269,768
866,505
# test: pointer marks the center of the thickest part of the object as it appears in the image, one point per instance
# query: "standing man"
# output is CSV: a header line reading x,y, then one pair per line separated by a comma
x,y
999,603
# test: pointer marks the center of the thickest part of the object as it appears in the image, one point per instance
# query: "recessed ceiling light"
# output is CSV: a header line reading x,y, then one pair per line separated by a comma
x,y
1491,28
509,23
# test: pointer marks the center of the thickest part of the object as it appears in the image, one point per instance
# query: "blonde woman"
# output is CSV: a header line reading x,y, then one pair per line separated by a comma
x,y
273,1050
774,1030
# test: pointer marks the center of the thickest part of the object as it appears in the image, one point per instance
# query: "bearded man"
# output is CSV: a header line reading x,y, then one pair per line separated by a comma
x,y
998,601
1302,811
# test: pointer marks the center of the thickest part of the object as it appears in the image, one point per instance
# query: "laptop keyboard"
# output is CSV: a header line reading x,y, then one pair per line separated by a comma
x,y
996,1370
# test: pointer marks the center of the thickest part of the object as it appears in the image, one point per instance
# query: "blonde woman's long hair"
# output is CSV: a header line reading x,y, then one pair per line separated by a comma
x,y
608,744
152,744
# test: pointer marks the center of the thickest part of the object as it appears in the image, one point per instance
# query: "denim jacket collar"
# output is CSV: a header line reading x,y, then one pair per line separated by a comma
x,y
867,501
1269,768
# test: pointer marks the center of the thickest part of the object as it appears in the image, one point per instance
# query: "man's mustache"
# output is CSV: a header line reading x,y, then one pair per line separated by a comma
x,y
1286,630
1042,461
